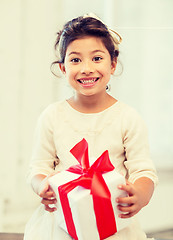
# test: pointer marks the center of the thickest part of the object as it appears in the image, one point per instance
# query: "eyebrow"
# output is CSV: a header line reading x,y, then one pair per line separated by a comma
x,y
95,51
78,53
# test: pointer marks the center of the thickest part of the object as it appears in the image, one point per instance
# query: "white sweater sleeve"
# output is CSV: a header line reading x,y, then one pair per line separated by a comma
x,y
135,140
44,152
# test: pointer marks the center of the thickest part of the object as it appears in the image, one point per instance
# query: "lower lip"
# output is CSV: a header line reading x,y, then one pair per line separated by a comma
x,y
88,85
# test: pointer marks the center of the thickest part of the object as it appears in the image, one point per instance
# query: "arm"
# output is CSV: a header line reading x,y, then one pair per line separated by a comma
x,y
141,173
139,195
42,188
43,157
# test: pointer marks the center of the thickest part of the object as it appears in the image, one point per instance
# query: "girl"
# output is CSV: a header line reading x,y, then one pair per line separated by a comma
x,y
88,53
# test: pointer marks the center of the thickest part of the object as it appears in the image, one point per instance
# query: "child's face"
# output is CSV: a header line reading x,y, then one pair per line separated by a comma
x,y
88,66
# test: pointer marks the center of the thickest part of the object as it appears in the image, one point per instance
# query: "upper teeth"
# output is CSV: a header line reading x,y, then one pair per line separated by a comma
x,y
88,81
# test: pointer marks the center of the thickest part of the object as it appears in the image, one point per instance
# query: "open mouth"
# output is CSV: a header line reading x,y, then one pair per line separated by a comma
x,y
88,80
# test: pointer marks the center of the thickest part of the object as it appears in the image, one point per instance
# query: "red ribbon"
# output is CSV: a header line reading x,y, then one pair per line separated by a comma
x,y
91,178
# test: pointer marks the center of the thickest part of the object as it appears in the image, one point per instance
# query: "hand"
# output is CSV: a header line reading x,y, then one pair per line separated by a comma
x,y
47,194
131,204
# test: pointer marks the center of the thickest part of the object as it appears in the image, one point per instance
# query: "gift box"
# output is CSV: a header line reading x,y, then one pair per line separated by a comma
x,y
86,196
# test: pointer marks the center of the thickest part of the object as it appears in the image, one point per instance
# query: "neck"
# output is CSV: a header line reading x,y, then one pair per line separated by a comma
x,y
91,104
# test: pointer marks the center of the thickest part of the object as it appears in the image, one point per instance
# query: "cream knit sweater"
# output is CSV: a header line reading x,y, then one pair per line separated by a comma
x,y
118,129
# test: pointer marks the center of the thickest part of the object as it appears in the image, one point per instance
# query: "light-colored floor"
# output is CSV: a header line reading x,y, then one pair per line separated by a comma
x,y
11,236
165,234
162,235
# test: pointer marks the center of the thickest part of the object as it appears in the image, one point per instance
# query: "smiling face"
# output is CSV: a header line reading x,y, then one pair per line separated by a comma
x,y
88,66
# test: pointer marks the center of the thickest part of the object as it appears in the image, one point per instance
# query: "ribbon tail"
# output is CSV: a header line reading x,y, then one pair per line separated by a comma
x,y
84,181
67,211
103,163
75,169
104,213
104,217
80,152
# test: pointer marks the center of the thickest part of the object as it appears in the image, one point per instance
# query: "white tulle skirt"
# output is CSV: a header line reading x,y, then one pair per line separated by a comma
x,y
44,225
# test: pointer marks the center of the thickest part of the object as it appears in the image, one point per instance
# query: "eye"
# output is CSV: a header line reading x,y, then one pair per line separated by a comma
x,y
97,59
75,60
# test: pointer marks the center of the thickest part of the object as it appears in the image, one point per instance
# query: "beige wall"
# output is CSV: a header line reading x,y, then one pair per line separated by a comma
x,y
27,30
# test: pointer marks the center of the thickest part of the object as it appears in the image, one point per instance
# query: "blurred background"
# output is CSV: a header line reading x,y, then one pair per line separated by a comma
x,y
28,29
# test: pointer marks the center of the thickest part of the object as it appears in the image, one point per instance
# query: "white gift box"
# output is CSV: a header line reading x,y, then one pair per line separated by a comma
x,y
81,204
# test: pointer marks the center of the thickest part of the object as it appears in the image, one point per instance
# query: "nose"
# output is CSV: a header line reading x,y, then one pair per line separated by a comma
x,y
87,67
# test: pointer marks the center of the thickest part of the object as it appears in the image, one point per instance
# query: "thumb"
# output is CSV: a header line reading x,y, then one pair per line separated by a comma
x,y
44,187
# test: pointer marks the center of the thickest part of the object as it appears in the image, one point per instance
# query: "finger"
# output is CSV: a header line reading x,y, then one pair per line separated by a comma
x,y
50,209
126,200
48,194
127,208
127,188
127,215
44,187
46,201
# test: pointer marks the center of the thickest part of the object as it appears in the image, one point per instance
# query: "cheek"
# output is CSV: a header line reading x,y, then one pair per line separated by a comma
x,y
71,71
108,71
70,77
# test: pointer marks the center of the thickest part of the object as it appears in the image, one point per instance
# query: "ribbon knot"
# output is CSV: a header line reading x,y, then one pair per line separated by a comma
x,y
90,178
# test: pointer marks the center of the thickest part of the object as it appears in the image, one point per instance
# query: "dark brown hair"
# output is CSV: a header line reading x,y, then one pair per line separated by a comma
x,y
81,27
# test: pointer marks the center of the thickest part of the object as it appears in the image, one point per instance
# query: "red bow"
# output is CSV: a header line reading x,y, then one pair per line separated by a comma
x,y
91,178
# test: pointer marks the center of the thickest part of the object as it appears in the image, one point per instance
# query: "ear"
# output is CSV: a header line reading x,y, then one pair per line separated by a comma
x,y
62,68
113,66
